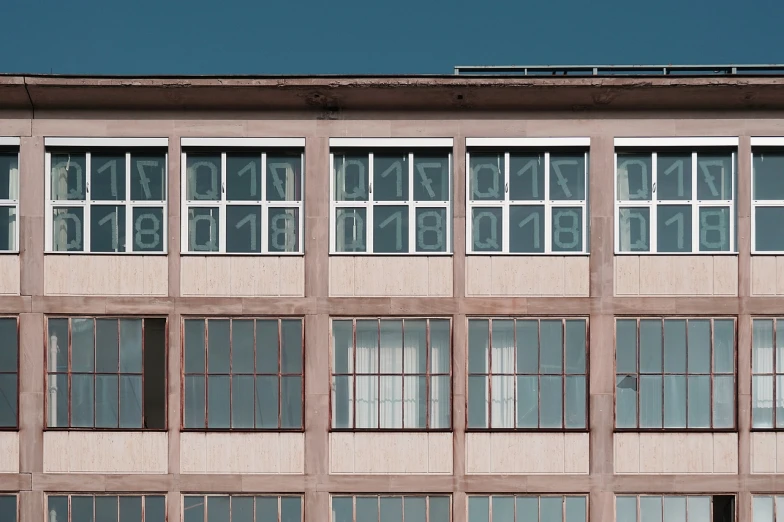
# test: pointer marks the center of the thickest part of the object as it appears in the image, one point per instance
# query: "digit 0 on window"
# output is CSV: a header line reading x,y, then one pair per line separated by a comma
x,y
106,195
242,196
767,200
391,196
9,194
675,195
527,195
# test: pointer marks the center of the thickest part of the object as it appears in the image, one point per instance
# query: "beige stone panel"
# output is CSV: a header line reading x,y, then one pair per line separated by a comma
x,y
193,452
218,276
105,275
105,452
627,452
576,453
9,452
576,276
292,453
764,279
651,453
193,275
505,455
242,276
292,276
440,276
725,453
725,275
476,459
779,275
382,276
9,274
156,275
390,453
533,275
676,275
439,453
252,453
763,452
627,275
779,452
527,453
341,453
341,276
479,276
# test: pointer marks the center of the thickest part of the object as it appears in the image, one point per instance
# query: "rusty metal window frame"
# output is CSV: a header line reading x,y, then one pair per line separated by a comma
x,y
119,496
202,501
712,374
379,497
51,389
775,507
564,374
352,375
776,375
15,373
663,498
15,498
490,498
280,375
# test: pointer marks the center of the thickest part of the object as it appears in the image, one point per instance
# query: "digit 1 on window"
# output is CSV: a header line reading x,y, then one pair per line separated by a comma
x,y
533,218
678,220
397,217
250,219
251,169
111,218
111,166
397,168
677,166
533,166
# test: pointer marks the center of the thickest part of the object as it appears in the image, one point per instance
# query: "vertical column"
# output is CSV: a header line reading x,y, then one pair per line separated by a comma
x,y
743,232
317,382
601,380
459,331
31,215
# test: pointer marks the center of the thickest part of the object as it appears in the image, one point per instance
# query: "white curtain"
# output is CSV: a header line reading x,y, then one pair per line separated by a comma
x,y
366,385
762,363
502,352
440,394
54,347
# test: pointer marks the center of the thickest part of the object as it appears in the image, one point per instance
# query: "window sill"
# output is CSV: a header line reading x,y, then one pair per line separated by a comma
x,y
124,254
531,254
527,430
675,430
107,430
242,254
390,430
676,253
242,430
391,254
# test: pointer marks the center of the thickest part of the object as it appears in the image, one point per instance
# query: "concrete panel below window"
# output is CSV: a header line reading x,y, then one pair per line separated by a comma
x,y
390,453
767,275
238,276
385,276
261,453
9,275
106,275
670,453
767,452
9,452
676,275
527,276
105,452
527,453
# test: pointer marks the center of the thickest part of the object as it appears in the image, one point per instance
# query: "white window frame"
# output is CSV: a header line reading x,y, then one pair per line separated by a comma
x,y
536,144
689,145
92,146
755,203
370,145
263,146
14,144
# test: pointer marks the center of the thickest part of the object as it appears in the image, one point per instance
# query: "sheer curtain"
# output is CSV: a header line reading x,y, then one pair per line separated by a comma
x,y
391,385
415,368
502,357
366,396
440,394
762,363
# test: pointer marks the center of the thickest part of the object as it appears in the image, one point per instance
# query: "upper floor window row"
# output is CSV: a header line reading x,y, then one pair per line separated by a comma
x,y
9,197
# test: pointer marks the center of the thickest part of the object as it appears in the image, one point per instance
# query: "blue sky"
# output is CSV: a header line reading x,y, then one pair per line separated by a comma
x,y
139,37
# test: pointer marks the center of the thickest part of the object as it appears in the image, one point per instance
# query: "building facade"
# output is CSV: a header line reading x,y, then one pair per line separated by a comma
x,y
468,299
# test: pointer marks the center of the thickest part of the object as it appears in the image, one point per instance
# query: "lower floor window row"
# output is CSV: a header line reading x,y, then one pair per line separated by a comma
x,y
105,508
391,508
241,508
518,508
675,508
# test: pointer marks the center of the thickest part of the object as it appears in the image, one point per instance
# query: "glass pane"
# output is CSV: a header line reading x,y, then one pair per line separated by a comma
x,y
291,402
699,351
218,402
391,346
57,508
266,509
391,509
130,509
503,509
243,177
9,175
291,340
431,230
390,229
414,400
567,176
283,230
68,229
477,402
10,347
673,228
130,401
267,346
552,402
131,345
502,349
203,229
526,176
82,401
674,401
714,175
650,509
8,226
242,401
106,401
290,509
762,401
768,174
218,345
714,229
367,405
526,228
551,509
674,176
576,510
528,401
762,508
218,508
567,229
194,346
82,508
107,228
651,401
767,231
148,177
723,401
107,510
107,345
8,388
440,345
674,346
575,402
486,176
527,333
575,346
367,346
242,346
243,228
342,348
478,341
154,509
57,401
723,346
650,346
625,509
626,401
626,345
193,508
698,509
342,509
762,346
439,509
431,177
350,229
342,402
551,346
634,176
674,509
527,508
203,177
390,177
58,345
502,394
367,508
69,176
284,177
267,402
440,402
699,401
415,509
82,345
351,177
779,401
241,509
486,229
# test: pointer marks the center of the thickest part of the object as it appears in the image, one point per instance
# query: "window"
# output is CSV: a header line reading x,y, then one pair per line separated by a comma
x,y
106,508
675,373
241,508
767,200
766,508
392,200
242,199
391,508
9,373
527,374
518,508
106,373
527,200
9,198
8,509
675,199
669,508
248,377
767,368
391,374
106,199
